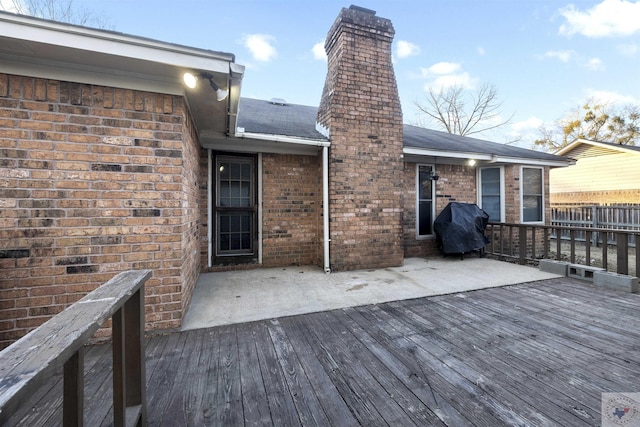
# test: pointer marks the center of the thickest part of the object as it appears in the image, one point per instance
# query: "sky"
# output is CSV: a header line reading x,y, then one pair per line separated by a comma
x,y
544,57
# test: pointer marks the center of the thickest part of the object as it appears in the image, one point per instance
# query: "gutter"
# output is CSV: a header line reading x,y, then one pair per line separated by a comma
x,y
282,138
492,158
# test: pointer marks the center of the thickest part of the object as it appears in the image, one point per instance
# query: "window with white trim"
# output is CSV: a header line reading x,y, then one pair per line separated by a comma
x,y
425,196
532,194
491,192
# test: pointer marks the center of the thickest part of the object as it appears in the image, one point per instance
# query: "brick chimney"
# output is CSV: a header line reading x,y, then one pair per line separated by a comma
x,y
361,110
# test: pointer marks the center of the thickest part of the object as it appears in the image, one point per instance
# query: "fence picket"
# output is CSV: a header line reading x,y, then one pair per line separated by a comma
x,y
614,217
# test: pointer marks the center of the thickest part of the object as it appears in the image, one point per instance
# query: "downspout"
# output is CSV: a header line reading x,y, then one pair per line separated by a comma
x,y
260,208
325,207
209,209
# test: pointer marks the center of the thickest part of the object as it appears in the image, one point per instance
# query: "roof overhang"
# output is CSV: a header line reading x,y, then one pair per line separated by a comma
x,y
248,142
413,154
608,146
53,50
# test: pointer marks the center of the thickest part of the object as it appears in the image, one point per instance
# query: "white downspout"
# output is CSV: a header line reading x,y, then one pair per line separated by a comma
x,y
209,209
325,207
259,208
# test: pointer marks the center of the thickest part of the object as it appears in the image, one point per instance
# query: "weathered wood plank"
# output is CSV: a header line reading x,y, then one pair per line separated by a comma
x,y
335,408
355,395
532,354
281,405
255,402
307,405
25,363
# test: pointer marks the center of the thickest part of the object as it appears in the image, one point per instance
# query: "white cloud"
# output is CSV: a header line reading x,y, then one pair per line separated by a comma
x,y
443,82
628,49
441,68
481,51
405,49
607,19
260,46
607,97
532,123
561,55
319,52
595,64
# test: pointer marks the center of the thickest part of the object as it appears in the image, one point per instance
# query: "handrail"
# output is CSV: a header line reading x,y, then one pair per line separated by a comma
x,y
537,243
26,364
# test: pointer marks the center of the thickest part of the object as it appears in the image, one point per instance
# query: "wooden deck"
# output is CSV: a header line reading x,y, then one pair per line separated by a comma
x,y
532,354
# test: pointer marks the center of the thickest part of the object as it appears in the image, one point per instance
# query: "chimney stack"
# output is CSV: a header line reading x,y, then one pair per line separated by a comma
x,y
360,109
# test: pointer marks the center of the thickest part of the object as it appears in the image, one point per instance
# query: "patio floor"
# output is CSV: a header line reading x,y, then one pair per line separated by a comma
x,y
538,353
245,296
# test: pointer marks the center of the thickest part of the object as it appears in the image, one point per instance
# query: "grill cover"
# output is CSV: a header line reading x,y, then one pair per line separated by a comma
x,y
460,228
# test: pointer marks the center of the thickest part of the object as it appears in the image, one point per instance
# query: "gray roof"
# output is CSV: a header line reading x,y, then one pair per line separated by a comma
x,y
417,137
278,118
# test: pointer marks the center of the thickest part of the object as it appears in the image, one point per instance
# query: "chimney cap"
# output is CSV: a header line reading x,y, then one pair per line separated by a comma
x,y
362,9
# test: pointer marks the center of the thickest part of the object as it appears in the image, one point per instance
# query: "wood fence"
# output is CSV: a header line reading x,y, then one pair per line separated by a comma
x,y
615,217
26,364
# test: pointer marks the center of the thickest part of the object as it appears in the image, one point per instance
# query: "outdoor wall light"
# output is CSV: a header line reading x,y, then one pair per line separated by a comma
x,y
471,162
191,81
433,176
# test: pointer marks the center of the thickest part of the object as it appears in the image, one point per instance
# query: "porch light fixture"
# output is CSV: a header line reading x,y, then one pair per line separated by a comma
x,y
191,81
433,176
471,162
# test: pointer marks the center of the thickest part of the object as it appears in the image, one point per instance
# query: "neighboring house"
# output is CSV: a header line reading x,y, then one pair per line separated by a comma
x,y
109,163
603,174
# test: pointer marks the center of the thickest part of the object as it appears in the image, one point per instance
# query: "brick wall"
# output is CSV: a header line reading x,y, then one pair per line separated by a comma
x,y
93,181
457,183
292,207
361,108
608,197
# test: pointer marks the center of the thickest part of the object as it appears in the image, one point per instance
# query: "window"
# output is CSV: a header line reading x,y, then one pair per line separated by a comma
x,y
491,194
532,191
235,207
425,206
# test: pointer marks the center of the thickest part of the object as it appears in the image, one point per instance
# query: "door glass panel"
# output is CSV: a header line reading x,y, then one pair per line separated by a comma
x,y
235,205
234,231
490,189
425,201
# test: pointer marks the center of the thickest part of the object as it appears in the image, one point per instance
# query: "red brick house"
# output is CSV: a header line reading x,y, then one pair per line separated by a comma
x,y
109,163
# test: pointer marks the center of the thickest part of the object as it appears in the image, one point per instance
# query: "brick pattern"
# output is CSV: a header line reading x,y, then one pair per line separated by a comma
x,y
457,183
93,181
292,207
608,197
361,108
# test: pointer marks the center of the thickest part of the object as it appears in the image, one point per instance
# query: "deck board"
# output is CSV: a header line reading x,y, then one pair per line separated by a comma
x,y
532,354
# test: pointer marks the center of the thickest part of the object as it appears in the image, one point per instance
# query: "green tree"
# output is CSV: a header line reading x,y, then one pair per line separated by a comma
x,y
596,122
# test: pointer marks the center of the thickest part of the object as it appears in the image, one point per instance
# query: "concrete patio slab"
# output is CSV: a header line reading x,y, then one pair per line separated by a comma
x,y
245,296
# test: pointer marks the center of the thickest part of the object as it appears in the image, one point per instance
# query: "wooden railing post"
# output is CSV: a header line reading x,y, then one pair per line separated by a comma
x,y
73,390
522,236
129,379
622,253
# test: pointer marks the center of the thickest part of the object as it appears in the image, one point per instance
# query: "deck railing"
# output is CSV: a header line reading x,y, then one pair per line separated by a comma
x,y
26,364
527,244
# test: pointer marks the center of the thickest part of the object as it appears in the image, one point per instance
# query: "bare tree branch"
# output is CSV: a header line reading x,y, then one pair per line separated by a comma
x,y
451,109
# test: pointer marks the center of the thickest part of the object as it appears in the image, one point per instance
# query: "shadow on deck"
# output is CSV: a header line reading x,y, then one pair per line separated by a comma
x,y
539,353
